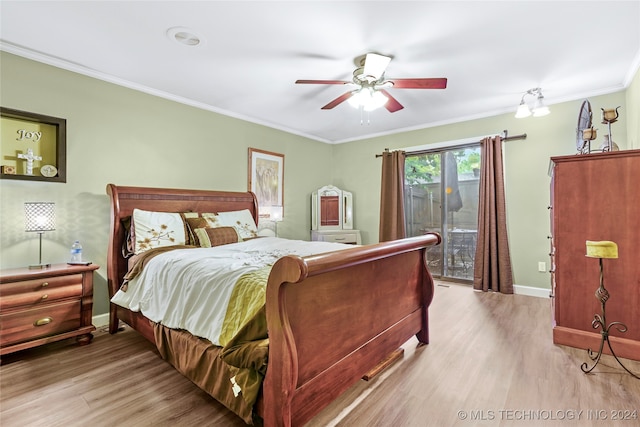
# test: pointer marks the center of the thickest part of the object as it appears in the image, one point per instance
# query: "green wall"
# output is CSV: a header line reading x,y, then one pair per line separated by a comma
x,y
526,171
633,113
122,136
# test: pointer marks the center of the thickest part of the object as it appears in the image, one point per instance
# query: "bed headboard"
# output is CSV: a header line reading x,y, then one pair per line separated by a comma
x,y
125,199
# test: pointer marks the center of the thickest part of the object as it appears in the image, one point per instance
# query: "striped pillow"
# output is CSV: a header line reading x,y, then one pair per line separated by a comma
x,y
208,237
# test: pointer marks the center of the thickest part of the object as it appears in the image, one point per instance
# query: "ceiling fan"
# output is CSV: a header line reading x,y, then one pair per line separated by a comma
x,y
371,91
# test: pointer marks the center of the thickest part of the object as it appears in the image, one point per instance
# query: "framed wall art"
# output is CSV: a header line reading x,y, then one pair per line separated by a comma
x,y
266,180
33,146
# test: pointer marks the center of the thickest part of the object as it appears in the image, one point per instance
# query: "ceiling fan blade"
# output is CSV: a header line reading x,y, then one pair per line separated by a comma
x,y
375,65
322,82
392,104
435,83
339,100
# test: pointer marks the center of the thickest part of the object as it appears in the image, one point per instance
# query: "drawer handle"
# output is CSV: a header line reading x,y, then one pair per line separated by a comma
x,y
43,321
45,296
45,284
340,238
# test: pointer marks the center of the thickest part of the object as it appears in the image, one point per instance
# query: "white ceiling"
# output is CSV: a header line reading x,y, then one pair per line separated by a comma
x,y
253,52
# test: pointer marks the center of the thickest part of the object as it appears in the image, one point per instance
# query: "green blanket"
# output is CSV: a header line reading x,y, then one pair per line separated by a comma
x,y
247,350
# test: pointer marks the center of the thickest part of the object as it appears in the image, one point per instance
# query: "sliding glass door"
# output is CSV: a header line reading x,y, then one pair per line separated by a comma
x,y
441,194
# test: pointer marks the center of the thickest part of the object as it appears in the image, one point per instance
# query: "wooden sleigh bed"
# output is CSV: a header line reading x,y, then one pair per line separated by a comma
x,y
331,318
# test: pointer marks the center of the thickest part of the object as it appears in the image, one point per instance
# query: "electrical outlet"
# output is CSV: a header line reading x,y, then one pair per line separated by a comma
x,y
542,266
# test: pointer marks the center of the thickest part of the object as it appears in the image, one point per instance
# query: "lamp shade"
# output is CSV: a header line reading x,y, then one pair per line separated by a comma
x,y
539,109
39,216
523,110
276,213
603,249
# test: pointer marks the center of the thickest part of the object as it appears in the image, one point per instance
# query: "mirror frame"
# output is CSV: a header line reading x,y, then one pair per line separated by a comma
x,y
345,208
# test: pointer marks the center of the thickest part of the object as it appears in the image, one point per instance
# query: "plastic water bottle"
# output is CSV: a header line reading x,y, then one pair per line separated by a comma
x,y
76,252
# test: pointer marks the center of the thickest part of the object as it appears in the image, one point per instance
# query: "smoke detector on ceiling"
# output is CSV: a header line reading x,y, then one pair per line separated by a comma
x,y
184,36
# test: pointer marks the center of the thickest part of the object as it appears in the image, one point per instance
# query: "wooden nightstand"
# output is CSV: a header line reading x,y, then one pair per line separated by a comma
x,y
46,305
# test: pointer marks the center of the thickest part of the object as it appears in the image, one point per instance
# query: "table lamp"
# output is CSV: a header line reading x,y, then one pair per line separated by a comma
x,y
276,216
39,217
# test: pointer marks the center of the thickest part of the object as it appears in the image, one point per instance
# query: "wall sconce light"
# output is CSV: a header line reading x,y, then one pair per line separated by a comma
x,y
538,110
39,217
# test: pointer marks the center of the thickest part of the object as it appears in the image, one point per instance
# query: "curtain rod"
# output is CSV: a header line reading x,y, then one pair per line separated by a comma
x,y
505,138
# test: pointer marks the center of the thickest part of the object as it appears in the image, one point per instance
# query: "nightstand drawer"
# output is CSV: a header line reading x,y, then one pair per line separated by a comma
x,y
40,306
35,285
40,296
39,322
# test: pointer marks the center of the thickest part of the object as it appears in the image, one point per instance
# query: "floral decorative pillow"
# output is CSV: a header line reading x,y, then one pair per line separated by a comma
x,y
242,221
157,229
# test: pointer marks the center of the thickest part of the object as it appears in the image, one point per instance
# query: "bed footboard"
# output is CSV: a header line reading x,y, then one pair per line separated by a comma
x,y
334,317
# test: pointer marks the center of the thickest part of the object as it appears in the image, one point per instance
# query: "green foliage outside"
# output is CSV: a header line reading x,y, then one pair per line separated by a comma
x,y
423,168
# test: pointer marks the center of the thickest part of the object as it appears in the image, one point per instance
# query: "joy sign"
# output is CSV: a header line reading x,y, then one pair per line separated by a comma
x,y
27,134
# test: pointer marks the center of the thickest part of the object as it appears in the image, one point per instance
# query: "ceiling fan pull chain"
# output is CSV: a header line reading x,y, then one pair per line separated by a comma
x,y
362,111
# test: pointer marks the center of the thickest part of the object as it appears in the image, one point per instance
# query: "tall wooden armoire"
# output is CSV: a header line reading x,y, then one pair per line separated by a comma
x,y
596,197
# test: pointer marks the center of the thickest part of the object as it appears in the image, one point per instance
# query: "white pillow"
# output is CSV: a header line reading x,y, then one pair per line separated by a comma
x,y
242,221
157,229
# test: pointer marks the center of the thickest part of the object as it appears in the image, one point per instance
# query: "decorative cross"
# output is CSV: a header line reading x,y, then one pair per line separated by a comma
x,y
29,157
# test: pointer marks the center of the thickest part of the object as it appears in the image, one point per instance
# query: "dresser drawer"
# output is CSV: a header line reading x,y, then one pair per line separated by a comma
x,y
35,285
340,238
40,296
39,322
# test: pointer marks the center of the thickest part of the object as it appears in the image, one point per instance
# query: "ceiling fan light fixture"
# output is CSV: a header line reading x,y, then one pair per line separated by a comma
x,y
368,98
539,108
370,83
354,101
377,100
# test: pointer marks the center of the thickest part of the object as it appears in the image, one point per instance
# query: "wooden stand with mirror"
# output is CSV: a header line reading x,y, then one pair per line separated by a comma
x,y
332,216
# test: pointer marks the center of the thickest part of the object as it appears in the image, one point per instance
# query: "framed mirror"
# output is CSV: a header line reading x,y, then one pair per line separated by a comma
x,y
331,209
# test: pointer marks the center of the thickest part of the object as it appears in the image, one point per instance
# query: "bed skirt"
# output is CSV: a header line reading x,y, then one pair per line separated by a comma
x,y
199,360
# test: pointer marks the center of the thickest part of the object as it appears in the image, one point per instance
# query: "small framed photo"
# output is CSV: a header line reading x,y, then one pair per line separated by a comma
x,y
266,180
33,147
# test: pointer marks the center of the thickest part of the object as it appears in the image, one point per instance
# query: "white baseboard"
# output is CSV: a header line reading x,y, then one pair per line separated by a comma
x,y
101,320
531,291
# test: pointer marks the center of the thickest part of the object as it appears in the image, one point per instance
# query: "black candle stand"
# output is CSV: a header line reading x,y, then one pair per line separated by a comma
x,y
600,321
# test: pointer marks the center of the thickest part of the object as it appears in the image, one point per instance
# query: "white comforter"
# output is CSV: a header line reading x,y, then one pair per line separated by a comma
x,y
190,288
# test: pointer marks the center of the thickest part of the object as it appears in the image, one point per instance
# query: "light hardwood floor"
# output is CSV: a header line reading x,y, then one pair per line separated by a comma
x,y
491,362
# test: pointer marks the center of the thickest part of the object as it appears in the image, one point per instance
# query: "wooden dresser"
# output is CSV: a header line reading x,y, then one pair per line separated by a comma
x,y
596,197
45,305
